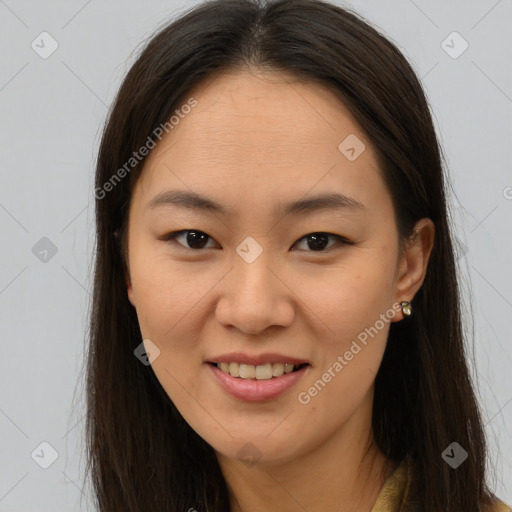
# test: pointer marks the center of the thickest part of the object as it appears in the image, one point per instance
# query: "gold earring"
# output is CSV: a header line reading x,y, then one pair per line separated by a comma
x,y
406,308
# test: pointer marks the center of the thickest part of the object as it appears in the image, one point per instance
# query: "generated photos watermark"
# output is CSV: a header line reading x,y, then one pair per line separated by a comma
x,y
138,156
305,397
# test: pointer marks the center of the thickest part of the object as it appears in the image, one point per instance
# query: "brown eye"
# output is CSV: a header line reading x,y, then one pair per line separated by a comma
x,y
317,242
196,240
191,238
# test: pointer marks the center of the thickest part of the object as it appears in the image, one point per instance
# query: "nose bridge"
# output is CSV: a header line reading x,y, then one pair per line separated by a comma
x,y
254,298
252,262
254,280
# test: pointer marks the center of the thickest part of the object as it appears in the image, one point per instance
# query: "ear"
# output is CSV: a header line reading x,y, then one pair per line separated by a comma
x,y
412,267
129,287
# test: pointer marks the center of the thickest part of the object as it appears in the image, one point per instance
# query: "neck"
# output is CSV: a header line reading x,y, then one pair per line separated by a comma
x,y
345,473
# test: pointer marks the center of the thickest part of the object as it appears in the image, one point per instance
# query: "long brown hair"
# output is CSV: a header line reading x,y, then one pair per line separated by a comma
x,y
142,455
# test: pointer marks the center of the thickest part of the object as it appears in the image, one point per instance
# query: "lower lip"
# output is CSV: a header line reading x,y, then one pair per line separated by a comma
x,y
254,390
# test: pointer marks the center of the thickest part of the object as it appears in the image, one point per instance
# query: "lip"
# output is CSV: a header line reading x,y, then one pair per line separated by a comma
x,y
254,390
239,357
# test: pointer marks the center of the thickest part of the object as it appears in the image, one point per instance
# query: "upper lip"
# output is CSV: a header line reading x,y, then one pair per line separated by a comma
x,y
260,359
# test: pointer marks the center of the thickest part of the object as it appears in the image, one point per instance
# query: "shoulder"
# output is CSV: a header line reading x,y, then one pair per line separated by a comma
x,y
396,493
499,506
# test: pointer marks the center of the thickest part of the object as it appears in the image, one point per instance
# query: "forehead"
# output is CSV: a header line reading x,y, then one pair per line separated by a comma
x,y
263,134
269,110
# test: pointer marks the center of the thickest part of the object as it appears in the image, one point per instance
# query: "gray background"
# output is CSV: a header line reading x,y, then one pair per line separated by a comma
x,y
51,113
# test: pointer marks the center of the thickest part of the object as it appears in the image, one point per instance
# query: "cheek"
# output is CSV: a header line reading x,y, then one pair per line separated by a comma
x,y
168,301
350,296
354,308
172,305
166,292
355,305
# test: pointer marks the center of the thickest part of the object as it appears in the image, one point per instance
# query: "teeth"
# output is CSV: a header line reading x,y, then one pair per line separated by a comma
x,y
247,371
234,369
277,369
264,371
288,368
260,372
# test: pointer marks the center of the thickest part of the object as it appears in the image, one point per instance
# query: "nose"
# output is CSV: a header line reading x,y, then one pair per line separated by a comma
x,y
254,296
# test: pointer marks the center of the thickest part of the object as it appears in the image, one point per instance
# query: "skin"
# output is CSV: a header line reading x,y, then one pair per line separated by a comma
x,y
254,140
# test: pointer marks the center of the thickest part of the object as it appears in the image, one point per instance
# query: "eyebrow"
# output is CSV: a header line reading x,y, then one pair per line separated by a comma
x,y
314,204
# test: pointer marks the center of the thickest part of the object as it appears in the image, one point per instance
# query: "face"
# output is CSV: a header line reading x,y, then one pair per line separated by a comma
x,y
250,279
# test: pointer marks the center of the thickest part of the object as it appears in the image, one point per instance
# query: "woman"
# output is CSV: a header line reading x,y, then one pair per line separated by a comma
x,y
276,320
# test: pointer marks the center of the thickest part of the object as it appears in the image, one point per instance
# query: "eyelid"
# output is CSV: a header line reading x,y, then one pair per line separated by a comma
x,y
341,239
174,234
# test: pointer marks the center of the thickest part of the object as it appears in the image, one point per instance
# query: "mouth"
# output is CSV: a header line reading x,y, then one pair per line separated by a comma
x,y
265,371
257,383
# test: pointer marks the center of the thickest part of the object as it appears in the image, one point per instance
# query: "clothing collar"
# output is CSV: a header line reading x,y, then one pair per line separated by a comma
x,y
395,489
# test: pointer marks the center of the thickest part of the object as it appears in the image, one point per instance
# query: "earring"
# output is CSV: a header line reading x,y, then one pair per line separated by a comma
x,y
406,308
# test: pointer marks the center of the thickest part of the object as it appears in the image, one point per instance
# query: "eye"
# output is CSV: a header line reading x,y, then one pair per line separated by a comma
x,y
197,240
193,238
319,240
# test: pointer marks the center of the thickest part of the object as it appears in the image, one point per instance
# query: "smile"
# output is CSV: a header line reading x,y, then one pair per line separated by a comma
x,y
256,383
259,372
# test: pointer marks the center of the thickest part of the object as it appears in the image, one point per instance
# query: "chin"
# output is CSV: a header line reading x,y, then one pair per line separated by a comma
x,y
257,448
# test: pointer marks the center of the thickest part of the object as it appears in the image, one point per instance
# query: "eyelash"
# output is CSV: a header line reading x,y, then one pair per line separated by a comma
x,y
174,234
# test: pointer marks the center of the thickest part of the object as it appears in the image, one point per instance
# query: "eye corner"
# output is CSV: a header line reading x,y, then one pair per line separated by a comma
x,y
340,242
